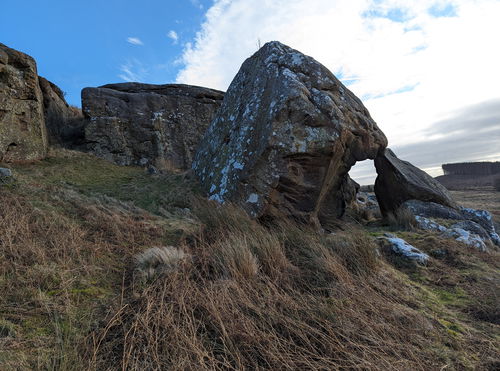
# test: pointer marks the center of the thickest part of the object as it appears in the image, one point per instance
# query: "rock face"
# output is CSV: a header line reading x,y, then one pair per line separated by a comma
x,y
22,128
399,181
134,123
285,137
65,124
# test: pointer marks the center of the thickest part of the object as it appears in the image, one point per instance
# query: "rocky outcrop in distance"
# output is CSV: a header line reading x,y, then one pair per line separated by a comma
x,y
285,138
23,135
144,124
472,168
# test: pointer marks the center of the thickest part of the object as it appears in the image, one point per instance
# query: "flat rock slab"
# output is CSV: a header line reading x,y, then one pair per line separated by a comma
x,y
285,138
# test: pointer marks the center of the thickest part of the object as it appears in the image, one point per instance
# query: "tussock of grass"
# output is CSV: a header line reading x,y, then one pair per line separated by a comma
x,y
402,218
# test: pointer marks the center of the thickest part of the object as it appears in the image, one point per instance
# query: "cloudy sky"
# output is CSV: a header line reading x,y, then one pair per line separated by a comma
x,y
427,70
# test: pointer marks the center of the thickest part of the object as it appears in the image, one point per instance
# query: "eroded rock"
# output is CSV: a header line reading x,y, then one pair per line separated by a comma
x,y
285,137
65,124
22,127
134,123
399,181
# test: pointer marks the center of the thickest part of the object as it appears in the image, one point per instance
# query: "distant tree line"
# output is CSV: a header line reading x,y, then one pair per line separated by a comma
x,y
472,168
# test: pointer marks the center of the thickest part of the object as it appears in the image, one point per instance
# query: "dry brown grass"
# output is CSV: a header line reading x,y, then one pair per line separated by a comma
x,y
58,262
402,218
251,296
326,303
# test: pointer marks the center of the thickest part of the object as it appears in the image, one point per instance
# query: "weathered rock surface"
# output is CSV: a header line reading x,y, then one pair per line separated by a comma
x,y
65,124
399,181
484,219
134,123
473,228
467,238
285,137
429,224
22,128
432,210
402,248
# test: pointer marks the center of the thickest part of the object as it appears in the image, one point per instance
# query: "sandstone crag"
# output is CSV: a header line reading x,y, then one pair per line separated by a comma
x,y
133,123
285,138
65,124
22,128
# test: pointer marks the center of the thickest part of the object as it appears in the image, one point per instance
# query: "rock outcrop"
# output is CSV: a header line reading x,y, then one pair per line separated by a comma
x,y
22,128
285,137
399,181
65,124
133,123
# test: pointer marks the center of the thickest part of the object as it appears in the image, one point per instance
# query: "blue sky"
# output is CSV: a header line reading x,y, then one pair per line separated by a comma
x,y
84,43
427,70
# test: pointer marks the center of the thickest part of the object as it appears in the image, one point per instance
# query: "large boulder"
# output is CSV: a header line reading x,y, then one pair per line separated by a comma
x,y
64,123
133,123
398,181
285,138
22,128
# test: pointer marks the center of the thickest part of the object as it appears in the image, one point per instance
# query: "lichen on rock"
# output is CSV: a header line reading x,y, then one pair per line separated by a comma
x,y
285,138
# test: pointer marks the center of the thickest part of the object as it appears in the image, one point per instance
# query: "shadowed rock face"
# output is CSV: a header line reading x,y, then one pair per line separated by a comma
x,y
399,181
285,137
134,123
22,127
65,124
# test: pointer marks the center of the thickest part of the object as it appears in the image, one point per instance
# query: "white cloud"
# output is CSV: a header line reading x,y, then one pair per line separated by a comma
x,y
134,41
196,3
173,36
133,71
413,63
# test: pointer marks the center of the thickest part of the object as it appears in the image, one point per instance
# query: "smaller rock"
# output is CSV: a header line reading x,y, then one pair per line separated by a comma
x,y
399,181
5,173
432,210
5,176
404,249
152,170
472,227
428,224
367,202
484,219
467,238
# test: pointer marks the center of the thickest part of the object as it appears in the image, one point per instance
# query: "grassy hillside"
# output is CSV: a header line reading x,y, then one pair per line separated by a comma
x,y
248,296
